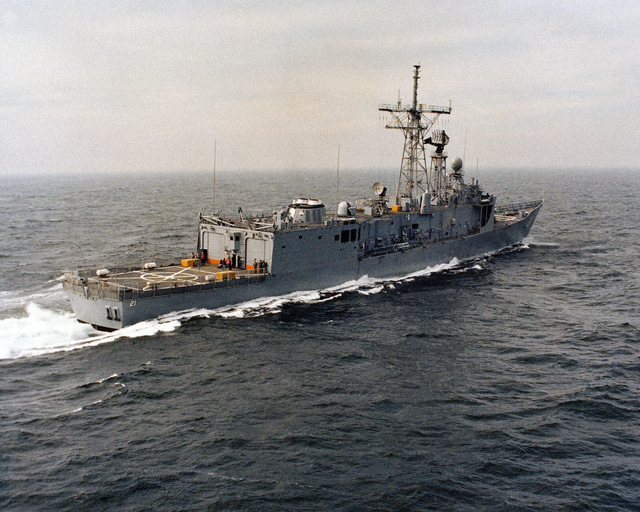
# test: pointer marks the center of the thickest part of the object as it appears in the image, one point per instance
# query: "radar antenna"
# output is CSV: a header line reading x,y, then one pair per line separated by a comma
x,y
415,121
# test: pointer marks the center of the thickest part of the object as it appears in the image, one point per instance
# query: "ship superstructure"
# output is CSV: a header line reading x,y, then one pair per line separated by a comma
x,y
434,217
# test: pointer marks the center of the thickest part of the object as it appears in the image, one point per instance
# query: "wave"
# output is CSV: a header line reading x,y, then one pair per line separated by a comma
x,y
40,331
271,305
44,330
533,242
19,299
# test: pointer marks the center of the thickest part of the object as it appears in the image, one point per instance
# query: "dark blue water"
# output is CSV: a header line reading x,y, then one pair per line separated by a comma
x,y
510,382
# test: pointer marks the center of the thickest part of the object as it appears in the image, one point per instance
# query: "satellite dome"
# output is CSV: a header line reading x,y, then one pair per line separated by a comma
x,y
456,165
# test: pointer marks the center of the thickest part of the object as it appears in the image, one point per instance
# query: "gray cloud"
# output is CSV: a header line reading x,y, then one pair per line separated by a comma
x,y
100,87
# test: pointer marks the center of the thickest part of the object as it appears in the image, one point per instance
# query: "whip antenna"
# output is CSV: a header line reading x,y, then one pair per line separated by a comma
x,y
215,144
464,153
338,181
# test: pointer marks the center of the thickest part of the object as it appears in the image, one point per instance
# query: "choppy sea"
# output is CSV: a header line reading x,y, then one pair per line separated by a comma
x,y
510,382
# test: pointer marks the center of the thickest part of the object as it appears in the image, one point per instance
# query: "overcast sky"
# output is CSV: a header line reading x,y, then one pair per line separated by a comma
x,y
150,85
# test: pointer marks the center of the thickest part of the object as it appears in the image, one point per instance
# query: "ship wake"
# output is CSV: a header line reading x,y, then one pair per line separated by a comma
x,y
364,286
42,329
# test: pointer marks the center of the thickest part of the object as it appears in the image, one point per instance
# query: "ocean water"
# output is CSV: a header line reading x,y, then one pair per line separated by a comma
x,y
510,382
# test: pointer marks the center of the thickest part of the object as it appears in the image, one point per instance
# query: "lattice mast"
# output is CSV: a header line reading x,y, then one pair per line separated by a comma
x,y
415,121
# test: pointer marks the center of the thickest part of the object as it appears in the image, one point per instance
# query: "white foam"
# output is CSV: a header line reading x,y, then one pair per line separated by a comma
x,y
42,330
535,243
267,305
270,305
371,291
19,299
115,375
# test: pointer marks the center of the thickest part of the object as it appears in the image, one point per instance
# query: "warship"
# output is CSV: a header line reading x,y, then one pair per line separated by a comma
x,y
434,217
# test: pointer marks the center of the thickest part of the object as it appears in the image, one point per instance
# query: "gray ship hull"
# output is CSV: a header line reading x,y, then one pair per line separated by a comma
x,y
352,266
436,253
434,217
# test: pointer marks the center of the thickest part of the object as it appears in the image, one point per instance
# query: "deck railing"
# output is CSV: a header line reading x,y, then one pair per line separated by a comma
x,y
110,289
516,207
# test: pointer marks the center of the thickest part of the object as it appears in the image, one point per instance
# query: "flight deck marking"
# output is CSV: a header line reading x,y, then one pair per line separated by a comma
x,y
161,278
154,277
161,275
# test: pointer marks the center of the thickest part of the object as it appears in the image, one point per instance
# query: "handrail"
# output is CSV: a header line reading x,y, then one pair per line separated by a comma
x,y
111,289
515,207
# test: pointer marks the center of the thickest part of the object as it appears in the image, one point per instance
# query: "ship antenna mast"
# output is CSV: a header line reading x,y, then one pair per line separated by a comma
x,y
338,182
415,121
215,148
